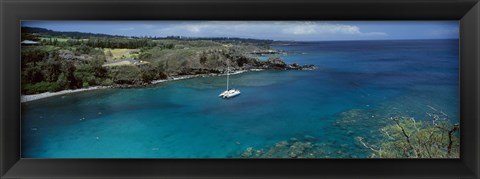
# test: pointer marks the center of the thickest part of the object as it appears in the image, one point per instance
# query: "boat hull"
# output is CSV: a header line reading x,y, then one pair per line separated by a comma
x,y
229,94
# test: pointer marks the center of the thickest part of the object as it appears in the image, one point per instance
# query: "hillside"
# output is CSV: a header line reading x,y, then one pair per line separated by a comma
x,y
73,60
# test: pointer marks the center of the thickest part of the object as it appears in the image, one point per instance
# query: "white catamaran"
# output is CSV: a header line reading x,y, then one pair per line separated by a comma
x,y
229,93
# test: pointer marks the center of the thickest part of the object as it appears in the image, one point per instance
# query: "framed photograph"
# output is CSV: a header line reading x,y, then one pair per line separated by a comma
x,y
250,89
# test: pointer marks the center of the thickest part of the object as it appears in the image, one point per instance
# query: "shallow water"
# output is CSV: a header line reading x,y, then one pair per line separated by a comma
x,y
187,119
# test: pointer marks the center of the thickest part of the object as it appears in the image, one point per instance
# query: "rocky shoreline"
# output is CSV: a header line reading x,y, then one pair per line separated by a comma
x,y
180,77
302,147
33,97
271,64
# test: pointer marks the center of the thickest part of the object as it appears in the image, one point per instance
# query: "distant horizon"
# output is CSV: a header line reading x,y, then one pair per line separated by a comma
x,y
297,31
186,37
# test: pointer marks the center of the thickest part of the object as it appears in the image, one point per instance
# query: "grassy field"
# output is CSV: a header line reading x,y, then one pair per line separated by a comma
x,y
58,39
121,53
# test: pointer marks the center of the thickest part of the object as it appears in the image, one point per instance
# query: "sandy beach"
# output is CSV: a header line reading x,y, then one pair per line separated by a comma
x,y
33,97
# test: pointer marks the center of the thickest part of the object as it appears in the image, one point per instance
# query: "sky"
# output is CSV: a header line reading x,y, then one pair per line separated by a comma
x,y
273,30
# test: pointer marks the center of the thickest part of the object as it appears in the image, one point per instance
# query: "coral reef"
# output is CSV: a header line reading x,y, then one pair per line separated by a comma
x,y
305,147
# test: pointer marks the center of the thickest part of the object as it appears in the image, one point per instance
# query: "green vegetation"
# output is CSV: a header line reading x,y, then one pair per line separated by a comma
x,y
409,138
402,137
72,60
44,70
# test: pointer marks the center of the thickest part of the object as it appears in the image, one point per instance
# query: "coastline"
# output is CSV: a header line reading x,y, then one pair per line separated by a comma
x,y
33,97
202,75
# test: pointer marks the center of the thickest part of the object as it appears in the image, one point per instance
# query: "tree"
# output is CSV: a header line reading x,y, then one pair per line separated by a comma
x,y
169,46
52,69
125,74
62,80
29,36
32,74
409,138
69,71
144,55
149,73
35,54
84,74
203,58
84,49
55,42
97,69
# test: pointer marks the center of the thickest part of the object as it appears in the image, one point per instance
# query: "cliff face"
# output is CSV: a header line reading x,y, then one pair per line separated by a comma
x,y
245,64
215,58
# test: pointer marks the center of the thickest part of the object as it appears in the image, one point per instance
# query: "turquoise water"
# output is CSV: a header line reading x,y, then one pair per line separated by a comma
x,y
187,119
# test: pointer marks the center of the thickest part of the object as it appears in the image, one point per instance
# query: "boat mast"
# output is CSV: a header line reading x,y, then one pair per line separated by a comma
x,y
228,75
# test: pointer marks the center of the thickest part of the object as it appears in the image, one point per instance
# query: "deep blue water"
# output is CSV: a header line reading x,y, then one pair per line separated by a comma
x,y
186,119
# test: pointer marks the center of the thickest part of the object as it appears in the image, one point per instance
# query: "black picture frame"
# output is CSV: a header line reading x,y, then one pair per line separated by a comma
x,y
13,11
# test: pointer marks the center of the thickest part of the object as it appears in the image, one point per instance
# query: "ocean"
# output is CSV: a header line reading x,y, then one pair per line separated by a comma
x,y
372,80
